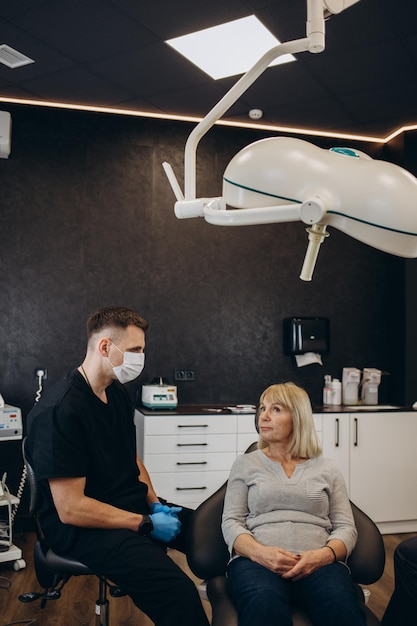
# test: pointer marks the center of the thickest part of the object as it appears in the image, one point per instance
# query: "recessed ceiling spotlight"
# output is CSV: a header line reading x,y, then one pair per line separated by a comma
x,y
255,114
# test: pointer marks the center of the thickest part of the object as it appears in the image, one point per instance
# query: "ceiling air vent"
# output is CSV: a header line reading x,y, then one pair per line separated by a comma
x,y
12,58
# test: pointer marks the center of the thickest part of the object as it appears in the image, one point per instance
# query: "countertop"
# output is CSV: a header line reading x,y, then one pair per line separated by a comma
x,y
219,409
189,409
362,408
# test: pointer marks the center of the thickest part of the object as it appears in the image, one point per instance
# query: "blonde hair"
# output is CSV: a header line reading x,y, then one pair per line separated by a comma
x,y
304,443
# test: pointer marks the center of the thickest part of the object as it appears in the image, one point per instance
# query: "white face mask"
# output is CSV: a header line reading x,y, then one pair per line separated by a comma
x,y
132,366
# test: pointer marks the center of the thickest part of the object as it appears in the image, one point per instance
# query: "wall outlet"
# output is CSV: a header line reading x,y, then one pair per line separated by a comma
x,y
41,372
184,375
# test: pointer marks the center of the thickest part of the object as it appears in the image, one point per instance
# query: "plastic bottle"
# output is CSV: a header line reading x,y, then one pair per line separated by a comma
x,y
336,391
327,392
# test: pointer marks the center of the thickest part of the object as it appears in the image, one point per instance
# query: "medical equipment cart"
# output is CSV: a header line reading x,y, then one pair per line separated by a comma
x,y
10,429
8,551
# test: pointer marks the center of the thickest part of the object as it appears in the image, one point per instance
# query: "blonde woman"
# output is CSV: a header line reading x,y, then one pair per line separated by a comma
x,y
288,522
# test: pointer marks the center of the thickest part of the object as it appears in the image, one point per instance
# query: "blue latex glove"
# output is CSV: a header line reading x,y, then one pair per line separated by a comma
x,y
165,526
157,507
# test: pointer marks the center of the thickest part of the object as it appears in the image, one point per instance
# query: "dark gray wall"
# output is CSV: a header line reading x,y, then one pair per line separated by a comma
x,y
87,220
403,151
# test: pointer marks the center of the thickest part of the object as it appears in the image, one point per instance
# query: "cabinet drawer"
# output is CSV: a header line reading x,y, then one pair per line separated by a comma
x,y
246,423
189,487
198,442
179,424
192,462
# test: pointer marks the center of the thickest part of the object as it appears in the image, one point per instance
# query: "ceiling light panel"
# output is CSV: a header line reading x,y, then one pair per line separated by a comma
x,y
228,49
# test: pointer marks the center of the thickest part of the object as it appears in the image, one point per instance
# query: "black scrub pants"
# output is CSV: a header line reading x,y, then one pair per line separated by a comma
x,y
402,607
143,570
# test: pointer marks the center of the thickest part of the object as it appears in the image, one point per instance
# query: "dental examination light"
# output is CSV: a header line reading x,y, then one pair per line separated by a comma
x,y
286,180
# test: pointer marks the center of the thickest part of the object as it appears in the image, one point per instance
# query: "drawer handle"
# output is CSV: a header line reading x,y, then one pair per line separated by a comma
x,y
355,443
190,488
192,425
184,445
193,463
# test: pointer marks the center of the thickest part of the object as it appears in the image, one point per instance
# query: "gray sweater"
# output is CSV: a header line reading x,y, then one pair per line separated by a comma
x,y
297,514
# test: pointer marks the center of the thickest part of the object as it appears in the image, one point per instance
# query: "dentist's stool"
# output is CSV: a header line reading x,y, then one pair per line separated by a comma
x,y
52,570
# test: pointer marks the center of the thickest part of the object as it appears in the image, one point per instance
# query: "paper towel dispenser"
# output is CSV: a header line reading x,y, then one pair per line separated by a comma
x,y
306,334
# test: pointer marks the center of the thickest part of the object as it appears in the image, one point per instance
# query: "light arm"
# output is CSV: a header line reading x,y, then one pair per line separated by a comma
x,y
314,42
316,206
300,45
172,179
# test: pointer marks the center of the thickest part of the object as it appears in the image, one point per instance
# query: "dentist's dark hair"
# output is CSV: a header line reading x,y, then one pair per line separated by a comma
x,y
114,317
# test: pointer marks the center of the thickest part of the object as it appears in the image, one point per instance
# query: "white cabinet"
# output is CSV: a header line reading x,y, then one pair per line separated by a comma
x,y
377,455
318,423
189,456
336,441
246,432
383,468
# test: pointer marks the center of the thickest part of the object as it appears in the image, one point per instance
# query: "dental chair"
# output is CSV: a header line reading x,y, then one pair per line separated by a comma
x,y
207,556
53,570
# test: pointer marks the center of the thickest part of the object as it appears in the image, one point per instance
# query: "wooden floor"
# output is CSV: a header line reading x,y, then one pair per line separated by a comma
x,y
77,603
76,606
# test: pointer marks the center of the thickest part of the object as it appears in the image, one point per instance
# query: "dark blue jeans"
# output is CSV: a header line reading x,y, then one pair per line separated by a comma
x,y
328,595
402,608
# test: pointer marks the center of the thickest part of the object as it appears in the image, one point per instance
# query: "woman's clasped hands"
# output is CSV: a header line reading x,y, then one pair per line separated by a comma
x,y
290,565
